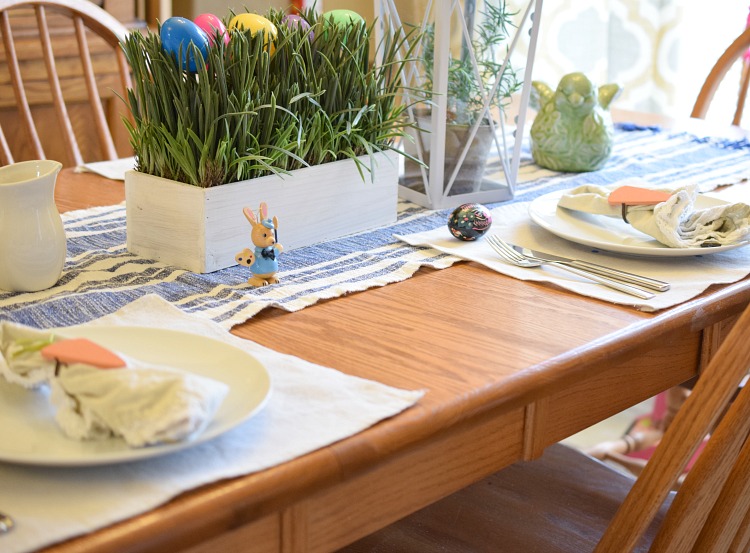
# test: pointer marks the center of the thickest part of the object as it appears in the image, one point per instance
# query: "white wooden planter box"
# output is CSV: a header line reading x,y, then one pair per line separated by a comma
x,y
202,229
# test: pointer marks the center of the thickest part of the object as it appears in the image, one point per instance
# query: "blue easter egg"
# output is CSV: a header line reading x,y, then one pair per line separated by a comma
x,y
176,35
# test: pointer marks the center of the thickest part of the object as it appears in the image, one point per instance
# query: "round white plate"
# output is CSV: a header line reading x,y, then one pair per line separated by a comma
x,y
31,435
608,233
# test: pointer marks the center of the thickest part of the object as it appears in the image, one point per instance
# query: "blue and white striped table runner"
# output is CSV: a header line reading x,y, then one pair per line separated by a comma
x,y
100,275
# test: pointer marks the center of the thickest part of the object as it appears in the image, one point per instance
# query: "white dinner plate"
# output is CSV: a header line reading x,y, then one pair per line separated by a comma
x,y
609,233
31,434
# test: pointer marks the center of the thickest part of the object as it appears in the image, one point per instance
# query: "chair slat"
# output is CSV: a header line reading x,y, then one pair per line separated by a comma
x,y
60,61
18,89
6,157
730,509
718,72
741,541
696,418
71,144
95,101
715,473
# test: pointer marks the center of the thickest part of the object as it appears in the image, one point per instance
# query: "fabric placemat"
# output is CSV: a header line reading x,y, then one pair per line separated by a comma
x,y
309,407
112,169
100,276
689,276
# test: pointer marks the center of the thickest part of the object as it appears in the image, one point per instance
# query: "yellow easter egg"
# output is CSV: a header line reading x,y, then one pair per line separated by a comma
x,y
255,24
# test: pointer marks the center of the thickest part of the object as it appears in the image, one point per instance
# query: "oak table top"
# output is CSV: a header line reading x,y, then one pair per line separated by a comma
x,y
509,367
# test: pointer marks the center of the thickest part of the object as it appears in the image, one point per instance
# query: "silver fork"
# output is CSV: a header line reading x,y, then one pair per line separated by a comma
x,y
516,258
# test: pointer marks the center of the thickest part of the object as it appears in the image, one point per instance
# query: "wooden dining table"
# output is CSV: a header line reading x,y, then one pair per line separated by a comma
x,y
509,367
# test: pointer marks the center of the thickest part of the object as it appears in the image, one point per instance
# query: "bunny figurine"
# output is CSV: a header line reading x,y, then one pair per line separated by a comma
x,y
263,260
573,130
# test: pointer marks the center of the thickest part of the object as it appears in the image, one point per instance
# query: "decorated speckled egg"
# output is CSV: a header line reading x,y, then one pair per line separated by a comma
x,y
469,221
212,26
255,24
177,33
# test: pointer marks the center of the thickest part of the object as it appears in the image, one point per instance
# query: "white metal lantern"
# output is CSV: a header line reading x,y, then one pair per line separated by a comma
x,y
435,186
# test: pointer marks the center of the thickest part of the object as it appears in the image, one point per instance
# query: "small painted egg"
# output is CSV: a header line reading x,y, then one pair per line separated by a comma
x,y
343,17
293,21
212,26
255,24
176,35
469,221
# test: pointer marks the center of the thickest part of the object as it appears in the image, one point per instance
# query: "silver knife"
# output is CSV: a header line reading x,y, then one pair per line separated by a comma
x,y
614,274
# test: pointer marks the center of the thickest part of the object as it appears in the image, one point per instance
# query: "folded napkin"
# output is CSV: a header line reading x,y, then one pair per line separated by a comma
x,y
143,403
675,222
310,406
689,276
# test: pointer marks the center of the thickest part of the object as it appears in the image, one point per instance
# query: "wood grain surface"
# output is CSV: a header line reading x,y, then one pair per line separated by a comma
x,y
509,367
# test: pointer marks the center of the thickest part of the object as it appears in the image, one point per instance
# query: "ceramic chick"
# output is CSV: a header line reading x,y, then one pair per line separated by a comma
x,y
573,128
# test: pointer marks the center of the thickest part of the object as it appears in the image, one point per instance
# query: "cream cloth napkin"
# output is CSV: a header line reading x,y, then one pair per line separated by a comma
x,y
310,407
675,222
689,276
144,403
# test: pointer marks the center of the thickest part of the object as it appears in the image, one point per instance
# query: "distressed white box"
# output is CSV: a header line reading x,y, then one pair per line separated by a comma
x,y
202,229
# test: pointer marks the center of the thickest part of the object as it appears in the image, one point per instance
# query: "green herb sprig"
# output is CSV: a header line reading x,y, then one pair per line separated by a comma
x,y
465,92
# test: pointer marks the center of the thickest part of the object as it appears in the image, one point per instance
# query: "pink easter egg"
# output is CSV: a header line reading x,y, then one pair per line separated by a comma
x,y
212,25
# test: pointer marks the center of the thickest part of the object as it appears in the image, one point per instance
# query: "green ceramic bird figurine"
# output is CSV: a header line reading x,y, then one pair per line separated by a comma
x,y
573,128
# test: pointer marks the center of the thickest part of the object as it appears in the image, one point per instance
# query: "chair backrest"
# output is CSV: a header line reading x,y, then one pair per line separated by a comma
x,y
736,50
61,53
710,509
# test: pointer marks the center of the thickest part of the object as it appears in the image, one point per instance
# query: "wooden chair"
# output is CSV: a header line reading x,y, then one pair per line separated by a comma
x,y
65,55
566,501
736,50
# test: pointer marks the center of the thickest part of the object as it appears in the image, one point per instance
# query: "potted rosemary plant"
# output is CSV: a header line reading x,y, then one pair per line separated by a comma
x,y
468,86
299,118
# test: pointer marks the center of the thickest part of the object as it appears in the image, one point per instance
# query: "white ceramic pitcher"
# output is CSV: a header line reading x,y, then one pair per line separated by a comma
x,y
32,238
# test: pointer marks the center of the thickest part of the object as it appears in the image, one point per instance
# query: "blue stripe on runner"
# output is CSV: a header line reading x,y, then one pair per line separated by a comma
x,y
101,276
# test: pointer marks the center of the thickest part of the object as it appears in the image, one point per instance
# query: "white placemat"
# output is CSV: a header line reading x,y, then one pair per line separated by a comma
x,y
310,407
689,276
114,169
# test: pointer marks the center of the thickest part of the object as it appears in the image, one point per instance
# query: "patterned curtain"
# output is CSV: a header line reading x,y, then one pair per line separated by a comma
x,y
631,42
660,51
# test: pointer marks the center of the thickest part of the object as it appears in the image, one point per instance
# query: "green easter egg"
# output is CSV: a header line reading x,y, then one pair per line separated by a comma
x,y
343,17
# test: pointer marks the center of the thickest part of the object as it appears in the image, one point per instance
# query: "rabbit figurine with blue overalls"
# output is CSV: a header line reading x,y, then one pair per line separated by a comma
x,y
263,259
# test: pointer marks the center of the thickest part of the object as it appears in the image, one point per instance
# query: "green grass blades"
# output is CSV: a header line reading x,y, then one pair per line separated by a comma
x,y
250,111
